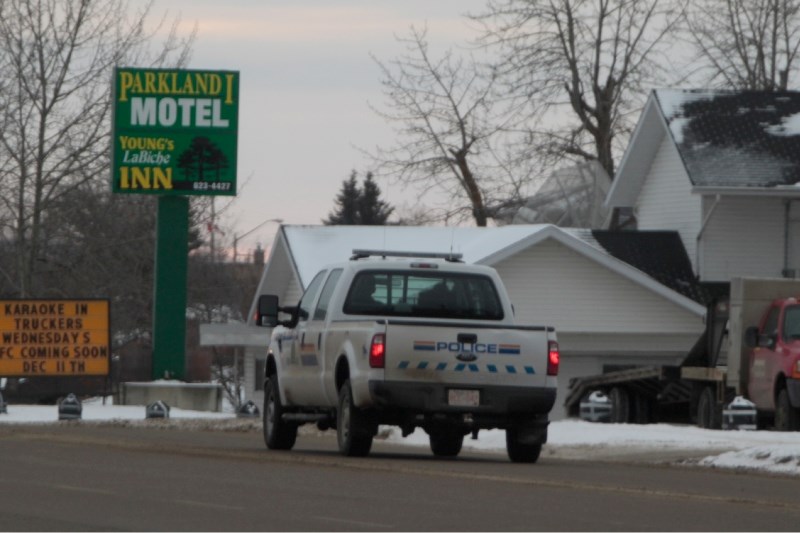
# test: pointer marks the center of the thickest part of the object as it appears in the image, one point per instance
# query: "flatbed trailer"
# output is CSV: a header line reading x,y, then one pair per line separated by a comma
x,y
712,374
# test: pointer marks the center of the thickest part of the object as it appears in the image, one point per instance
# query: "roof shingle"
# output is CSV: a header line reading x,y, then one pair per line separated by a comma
x,y
735,139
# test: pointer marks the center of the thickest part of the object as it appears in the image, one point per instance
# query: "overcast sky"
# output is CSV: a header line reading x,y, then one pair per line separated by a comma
x,y
307,80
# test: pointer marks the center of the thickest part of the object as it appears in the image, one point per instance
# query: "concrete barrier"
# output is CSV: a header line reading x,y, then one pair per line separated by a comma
x,y
191,396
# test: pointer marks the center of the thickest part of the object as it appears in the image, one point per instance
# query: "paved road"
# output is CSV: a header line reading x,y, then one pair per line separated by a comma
x,y
95,477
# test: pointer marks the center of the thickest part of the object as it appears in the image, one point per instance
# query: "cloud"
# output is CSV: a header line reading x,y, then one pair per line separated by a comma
x,y
308,22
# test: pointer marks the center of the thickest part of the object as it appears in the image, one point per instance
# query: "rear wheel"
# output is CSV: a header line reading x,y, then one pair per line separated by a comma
x,y
708,416
787,418
353,428
521,452
620,405
446,442
278,434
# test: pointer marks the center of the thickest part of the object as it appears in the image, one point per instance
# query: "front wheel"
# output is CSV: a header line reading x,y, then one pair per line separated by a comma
x,y
353,429
278,434
521,452
787,418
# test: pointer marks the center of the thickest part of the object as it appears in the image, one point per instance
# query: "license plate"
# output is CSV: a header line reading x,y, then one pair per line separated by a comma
x,y
463,398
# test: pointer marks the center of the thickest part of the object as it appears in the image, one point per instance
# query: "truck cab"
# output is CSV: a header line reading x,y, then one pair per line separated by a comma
x,y
773,379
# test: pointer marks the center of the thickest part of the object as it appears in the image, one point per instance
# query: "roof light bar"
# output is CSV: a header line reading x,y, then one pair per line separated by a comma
x,y
449,256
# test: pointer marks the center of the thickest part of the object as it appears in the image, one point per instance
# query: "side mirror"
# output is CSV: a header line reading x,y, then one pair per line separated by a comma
x,y
267,312
751,337
767,341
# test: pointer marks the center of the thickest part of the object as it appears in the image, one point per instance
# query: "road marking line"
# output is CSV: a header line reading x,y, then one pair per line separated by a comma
x,y
83,489
368,525
211,505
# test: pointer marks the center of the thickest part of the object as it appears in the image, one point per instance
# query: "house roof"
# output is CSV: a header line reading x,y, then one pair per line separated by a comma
x,y
660,254
312,247
745,140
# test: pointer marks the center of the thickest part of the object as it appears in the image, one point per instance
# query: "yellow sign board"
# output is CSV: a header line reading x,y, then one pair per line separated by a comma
x,y
54,338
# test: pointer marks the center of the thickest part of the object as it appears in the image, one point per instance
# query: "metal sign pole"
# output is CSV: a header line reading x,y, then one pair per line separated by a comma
x,y
169,308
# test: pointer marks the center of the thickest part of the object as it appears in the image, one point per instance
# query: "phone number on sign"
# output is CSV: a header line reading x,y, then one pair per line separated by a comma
x,y
215,186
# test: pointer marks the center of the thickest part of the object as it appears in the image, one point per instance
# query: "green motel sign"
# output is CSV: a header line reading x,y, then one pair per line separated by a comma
x,y
174,131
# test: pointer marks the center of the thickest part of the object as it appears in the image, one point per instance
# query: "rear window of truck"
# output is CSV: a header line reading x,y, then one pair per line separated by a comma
x,y
424,294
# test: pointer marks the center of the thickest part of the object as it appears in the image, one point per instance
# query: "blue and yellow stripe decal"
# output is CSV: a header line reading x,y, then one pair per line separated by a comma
x,y
425,346
466,367
509,349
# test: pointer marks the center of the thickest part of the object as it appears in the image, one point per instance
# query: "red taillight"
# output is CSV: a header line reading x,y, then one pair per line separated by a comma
x,y
377,351
553,358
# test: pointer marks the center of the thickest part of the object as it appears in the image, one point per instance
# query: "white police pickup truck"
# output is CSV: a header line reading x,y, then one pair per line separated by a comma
x,y
410,340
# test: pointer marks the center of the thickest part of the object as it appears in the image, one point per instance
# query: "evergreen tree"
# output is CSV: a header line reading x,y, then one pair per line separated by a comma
x,y
372,210
346,211
356,205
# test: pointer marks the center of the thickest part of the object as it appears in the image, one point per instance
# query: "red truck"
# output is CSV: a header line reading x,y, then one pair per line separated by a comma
x,y
773,364
750,349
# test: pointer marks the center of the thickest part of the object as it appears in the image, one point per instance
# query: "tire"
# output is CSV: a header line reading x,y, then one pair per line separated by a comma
x,y
446,442
353,429
708,416
520,452
278,434
620,405
787,418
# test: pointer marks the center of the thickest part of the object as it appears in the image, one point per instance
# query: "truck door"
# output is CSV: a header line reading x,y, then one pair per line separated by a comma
x,y
315,336
761,360
300,356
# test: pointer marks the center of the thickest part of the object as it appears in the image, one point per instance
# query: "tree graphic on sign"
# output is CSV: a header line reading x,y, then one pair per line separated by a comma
x,y
202,161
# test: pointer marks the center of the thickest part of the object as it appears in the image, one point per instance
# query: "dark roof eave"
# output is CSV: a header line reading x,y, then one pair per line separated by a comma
x,y
790,191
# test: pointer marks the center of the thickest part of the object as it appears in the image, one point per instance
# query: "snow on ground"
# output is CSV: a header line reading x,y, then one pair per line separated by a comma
x,y
747,450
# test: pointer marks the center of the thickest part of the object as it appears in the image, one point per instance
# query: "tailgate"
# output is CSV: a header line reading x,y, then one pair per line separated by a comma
x,y
466,354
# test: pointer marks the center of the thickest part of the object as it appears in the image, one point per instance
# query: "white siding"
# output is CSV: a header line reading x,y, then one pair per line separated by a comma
x,y
600,317
292,293
743,237
551,284
666,201
646,345
250,377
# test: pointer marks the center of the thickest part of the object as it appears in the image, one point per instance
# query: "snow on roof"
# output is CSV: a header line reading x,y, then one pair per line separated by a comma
x,y
313,247
673,100
789,126
672,103
735,138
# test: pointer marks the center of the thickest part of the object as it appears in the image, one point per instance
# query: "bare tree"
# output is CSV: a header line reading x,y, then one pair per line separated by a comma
x,y
448,121
55,103
745,44
581,65
220,293
101,245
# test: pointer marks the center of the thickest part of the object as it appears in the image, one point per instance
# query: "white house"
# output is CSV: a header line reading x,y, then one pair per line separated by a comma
x,y
607,312
723,170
